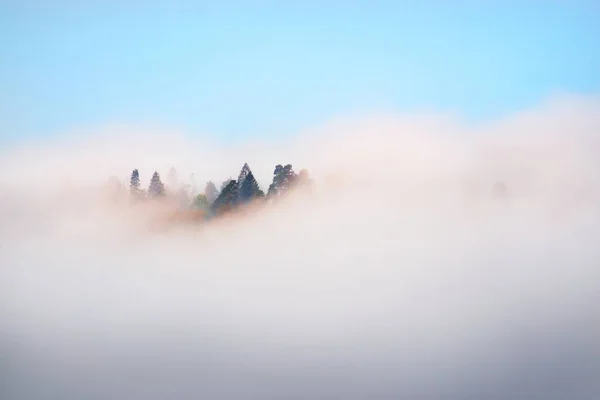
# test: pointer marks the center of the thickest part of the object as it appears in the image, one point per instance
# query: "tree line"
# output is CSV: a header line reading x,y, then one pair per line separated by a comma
x,y
232,193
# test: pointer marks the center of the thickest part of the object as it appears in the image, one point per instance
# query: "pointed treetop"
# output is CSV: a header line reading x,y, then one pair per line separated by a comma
x,y
156,188
134,182
243,174
225,183
227,198
249,189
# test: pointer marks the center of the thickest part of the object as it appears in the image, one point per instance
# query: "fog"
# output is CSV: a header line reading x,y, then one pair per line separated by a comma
x,y
400,276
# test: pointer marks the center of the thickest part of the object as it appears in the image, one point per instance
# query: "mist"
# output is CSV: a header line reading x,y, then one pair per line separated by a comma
x,y
400,276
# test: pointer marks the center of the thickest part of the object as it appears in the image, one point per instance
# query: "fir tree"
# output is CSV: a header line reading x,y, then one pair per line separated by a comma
x,y
134,183
247,186
156,188
249,189
227,198
225,183
283,179
242,176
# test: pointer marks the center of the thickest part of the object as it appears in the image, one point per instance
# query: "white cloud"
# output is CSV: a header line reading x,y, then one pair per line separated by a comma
x,y
406,281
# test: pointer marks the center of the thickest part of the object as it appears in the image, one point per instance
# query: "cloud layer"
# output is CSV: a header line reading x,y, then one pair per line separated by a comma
x,y
401,277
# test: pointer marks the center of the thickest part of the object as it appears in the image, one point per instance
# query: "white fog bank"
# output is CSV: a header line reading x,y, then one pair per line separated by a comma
x,y
400,277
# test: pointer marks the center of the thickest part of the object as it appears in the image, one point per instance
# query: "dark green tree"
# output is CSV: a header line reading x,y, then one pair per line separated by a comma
x,y
225,183
247,186
227,198
156,188
283,179
249,189
134,183
242,176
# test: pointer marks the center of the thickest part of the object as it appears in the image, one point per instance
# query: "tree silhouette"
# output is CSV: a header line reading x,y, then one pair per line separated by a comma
x,y
227,198
249,189
134,183
283,179
156,188
242,176
225,183
247,186
233,192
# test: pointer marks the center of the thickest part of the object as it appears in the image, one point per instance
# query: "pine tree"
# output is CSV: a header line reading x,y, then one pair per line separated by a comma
x,y
225,183
211,192
283,179
242,176
227,198
156,188
247,186
249,189
134,183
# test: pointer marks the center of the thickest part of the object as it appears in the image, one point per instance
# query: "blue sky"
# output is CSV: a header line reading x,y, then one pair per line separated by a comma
x,y
242,71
